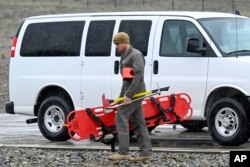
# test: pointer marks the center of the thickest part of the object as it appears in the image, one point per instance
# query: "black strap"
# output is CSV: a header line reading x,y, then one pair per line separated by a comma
x,y
105,129
162,111
173,100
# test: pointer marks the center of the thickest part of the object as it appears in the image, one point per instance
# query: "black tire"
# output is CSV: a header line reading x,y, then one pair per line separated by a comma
x,y
193,126
51,117
227,122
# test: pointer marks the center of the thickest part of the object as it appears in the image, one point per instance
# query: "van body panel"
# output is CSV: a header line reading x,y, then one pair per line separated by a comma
x,y
182,73
96,71
31,79
37,72
75,100
24,110
229,72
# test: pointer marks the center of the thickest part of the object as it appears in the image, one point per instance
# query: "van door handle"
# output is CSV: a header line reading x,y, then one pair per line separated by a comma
x,y
155,67
116,67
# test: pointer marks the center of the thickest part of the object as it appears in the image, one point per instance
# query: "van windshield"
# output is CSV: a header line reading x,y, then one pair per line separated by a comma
x,y
231,35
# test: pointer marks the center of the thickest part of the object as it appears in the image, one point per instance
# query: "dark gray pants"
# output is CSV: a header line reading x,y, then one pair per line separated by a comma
x,y
135,112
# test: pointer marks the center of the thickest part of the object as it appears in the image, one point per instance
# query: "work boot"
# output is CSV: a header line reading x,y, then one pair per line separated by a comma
x,y
141,158
118,156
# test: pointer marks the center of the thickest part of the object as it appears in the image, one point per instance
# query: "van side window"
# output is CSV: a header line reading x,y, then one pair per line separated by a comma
x,y
139,31
99,38
174,38
52,39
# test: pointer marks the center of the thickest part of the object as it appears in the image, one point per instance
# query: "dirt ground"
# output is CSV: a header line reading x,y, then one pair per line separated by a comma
x,y
4,68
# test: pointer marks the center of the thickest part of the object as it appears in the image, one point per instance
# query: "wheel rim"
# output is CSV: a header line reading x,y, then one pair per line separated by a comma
x,y
226,122
54,119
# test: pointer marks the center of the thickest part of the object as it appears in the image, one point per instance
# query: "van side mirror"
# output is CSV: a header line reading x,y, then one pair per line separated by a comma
x,y
193,46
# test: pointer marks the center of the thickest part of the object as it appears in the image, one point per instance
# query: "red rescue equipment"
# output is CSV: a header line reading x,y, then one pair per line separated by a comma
x,y
93,123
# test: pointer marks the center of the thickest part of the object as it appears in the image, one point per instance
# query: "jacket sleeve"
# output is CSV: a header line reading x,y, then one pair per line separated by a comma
x,y
122,91
138,67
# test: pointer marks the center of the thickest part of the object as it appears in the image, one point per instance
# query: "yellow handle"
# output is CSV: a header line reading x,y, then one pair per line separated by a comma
x,y
135,96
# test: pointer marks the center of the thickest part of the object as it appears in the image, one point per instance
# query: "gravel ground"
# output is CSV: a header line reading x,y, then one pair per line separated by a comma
x,y
29,157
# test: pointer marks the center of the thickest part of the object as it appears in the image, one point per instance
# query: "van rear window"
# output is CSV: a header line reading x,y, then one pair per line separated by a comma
x,y
52,39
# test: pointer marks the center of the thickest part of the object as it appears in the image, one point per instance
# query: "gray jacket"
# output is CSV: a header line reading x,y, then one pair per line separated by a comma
x,y
135,59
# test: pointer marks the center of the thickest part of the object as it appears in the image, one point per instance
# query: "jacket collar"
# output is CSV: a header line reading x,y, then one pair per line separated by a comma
x,y
128,51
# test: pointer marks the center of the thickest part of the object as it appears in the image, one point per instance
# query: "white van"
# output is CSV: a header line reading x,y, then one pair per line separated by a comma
x,y
61,63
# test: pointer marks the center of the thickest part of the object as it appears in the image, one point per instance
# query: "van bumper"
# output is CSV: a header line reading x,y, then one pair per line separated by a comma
x,y
9,107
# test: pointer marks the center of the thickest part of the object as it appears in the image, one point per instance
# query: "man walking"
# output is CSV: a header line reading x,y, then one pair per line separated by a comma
x,y
134,60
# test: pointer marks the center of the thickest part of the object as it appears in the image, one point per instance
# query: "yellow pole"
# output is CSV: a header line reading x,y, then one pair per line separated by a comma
x,y
119,99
